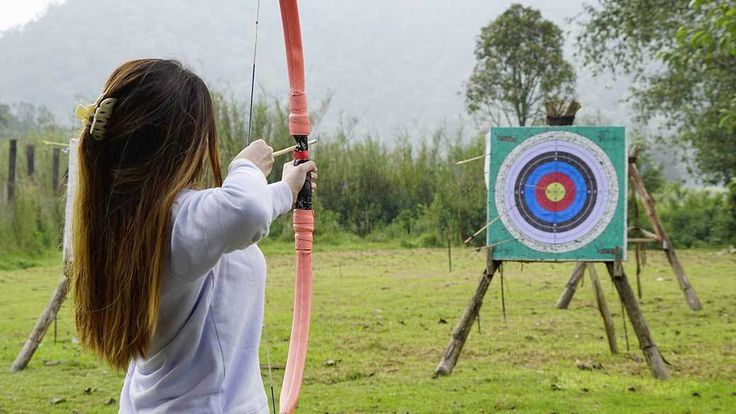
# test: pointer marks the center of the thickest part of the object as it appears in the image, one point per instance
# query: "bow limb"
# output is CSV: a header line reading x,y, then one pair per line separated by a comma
x,y
299,128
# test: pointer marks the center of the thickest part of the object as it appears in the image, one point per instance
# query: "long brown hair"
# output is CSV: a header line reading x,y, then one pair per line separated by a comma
x,y
159,134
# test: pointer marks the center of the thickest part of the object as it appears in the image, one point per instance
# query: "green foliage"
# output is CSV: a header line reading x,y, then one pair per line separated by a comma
x,y
696,217
413,193
711,42
405,194
694,86
519,65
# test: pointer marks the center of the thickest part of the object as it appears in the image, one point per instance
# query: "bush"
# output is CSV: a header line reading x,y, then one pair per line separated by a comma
x,y
696,217
411,193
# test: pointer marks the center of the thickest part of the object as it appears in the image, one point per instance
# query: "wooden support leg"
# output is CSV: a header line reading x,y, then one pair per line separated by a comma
x,y
42,324
572,284
12,155
638,269
649,208
635,221
646,343
690,296
603,308
465,324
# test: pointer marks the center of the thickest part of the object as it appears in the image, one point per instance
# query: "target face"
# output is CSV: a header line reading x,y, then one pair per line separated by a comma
x,y
555,192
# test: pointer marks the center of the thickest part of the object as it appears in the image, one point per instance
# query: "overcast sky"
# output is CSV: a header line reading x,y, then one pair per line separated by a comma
x,y
18,12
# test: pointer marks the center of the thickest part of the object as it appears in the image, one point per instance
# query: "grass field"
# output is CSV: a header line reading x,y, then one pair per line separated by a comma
x,y
380,322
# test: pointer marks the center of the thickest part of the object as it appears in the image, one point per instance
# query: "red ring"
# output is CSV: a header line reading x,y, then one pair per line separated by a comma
x,y
546,203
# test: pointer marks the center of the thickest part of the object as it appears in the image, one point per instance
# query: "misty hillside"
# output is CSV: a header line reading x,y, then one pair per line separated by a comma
x,y
393,65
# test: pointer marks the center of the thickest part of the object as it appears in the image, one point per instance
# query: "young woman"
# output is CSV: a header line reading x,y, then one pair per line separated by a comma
x,y
167,278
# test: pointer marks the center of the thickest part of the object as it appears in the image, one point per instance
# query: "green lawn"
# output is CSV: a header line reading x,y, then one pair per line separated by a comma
x,y
380,322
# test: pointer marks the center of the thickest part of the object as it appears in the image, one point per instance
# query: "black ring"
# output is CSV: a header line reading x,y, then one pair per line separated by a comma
x,y
544,225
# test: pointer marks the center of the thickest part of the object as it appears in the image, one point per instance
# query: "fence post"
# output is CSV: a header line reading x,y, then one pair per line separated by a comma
x,y
30,160
12,155
55,169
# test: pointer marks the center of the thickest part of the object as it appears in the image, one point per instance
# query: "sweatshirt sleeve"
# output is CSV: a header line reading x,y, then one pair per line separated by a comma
x,y
209,223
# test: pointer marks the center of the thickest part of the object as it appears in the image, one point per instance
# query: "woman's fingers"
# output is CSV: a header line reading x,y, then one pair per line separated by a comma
x,y
308,166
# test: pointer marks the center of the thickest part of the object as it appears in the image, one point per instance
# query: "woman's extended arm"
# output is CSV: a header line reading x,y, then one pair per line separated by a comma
x,y
216,221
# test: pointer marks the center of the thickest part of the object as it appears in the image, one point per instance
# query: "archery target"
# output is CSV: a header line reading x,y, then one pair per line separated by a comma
x,y
556,192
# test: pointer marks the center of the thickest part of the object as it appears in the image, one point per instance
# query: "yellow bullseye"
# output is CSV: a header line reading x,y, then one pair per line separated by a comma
x,y
555,192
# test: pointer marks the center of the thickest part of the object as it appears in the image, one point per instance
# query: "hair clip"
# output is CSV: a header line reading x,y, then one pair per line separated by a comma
x,y
101,118
99,113
84,113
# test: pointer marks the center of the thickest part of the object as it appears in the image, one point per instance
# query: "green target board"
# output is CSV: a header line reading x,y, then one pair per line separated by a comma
x,y
557,193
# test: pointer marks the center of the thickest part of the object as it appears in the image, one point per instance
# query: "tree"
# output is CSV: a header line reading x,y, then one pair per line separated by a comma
x,y
712,42
681,57
519,65
6,117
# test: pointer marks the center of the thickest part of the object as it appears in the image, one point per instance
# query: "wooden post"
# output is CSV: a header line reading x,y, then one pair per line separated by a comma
x,y
449,251
572,284
690,296
12,157
646,343
55,160
465,324
636,224
30,160
42,324
603,308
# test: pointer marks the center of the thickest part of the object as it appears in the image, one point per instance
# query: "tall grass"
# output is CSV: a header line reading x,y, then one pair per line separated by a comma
x,y
410,192
30,224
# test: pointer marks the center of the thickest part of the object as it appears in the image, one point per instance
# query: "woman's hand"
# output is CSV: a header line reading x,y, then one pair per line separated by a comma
x,y
295,175
260,153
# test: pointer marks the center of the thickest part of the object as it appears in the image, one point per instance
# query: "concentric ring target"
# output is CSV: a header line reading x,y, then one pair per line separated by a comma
x,y
556,191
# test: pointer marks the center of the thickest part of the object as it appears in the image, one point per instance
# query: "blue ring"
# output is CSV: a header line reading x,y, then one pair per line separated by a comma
x,y
581,192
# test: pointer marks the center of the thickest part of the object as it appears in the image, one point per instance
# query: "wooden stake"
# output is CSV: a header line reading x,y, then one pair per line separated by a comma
x,y
55,160
42,324
465,324
12,156
30,160
571,286
690,296
646,343
449,251
603,308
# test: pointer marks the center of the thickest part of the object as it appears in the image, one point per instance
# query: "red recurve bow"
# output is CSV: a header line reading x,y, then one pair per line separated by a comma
x,y
299,129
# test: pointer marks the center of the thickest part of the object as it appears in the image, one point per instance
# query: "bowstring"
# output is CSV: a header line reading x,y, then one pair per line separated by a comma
x,y
270,378
247,142
253,75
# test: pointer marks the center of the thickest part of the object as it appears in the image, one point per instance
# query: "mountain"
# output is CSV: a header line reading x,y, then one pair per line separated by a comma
x,y
392,65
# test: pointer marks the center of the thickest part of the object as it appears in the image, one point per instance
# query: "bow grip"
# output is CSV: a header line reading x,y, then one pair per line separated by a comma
x,y
301,155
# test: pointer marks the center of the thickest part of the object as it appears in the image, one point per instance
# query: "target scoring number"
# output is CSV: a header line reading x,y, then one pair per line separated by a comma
x,y
556,191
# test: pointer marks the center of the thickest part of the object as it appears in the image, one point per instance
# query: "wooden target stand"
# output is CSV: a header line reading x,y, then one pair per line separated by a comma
x,y
565,116
640,237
